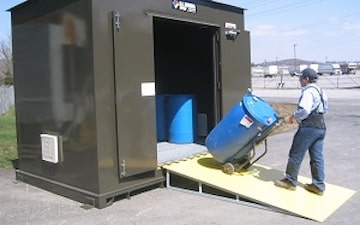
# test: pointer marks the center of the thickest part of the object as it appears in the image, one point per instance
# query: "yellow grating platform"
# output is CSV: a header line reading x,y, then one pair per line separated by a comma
x,y
257,185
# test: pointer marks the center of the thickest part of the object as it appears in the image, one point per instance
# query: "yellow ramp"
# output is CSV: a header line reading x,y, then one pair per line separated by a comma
x,y
257,185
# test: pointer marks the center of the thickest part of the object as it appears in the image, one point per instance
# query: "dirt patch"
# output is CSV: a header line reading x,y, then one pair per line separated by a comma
x,y
283,110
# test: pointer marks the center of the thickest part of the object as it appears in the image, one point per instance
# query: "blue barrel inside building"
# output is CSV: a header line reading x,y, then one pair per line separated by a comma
x,y
240,127
161,118
181,118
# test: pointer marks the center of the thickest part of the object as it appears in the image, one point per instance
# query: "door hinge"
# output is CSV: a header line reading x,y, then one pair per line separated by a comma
x,y
116,20
218,85
122,168
217,36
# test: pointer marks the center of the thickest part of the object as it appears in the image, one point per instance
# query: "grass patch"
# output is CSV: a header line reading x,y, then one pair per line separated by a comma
x,y
8,145
283,110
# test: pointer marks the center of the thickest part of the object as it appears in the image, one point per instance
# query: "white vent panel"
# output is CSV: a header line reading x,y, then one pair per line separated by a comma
x,y
49,148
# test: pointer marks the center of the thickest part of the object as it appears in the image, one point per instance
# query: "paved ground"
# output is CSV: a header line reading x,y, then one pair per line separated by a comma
x,y
25,204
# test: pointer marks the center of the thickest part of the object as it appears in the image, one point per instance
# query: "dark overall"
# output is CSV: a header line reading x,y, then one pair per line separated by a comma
x,y
310,136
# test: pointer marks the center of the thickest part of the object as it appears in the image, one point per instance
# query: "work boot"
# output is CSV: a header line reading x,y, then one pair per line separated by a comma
x,y
313,189
285,183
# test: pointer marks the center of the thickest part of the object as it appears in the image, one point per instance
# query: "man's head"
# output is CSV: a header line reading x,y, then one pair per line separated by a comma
x,y
308,75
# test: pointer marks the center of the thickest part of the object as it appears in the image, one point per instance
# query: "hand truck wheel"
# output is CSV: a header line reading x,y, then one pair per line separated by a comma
x,y
228,168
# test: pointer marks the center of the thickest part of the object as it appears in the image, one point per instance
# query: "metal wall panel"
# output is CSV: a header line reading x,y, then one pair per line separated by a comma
x,y
55,93
135,111
87,87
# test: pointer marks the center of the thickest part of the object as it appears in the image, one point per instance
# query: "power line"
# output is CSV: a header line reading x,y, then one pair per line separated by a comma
x,y
288,7
326,21
266,2
291,7
254,4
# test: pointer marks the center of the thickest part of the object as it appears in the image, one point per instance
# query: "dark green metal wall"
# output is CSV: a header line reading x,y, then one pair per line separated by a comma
x,y
78,77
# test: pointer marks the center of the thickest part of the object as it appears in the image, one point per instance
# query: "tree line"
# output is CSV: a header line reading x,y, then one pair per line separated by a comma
x,y
6,62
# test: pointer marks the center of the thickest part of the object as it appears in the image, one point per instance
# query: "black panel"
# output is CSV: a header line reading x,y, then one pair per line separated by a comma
x,y
184,62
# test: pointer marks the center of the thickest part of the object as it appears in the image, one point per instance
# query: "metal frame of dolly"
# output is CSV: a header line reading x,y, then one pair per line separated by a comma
x,y
244,163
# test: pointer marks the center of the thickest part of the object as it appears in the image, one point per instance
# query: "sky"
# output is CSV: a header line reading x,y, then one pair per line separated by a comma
x,y
315,30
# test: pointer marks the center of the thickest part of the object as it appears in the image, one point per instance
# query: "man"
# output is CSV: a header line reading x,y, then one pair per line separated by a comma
x,y
310,135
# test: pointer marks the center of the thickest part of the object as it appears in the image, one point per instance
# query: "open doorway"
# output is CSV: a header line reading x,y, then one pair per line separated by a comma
x,y
187,63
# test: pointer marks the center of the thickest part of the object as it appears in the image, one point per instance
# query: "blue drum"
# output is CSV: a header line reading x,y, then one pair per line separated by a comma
x,y
240,127
182,118
161,118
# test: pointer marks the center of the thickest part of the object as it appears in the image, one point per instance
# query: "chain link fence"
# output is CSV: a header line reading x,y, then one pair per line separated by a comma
x,y
7,98
324,81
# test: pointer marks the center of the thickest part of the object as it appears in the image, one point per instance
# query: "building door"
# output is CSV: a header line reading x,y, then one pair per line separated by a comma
x,y
187,61
134,91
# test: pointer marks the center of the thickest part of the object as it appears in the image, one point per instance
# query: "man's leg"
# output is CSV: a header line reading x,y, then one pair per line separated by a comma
x,y
301,143
317,161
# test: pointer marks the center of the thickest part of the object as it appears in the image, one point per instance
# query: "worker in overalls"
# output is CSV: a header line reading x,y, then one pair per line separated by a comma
x,y
312,106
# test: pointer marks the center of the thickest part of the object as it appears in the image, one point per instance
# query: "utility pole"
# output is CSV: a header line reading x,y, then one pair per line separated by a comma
x,y
281,84
295,44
